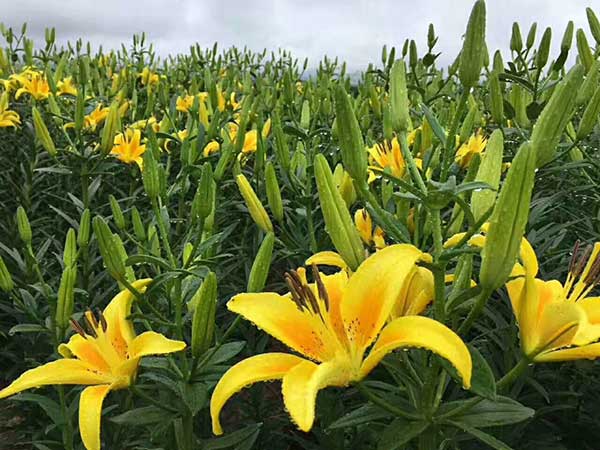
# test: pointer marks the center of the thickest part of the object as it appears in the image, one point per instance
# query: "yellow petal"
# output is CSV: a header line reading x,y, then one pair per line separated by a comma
x,y
87,351
90,414
558,324
421,332
327,258
62,371
373,290
265,367
591,351
152,343
417,293
302,383
280,317
120,330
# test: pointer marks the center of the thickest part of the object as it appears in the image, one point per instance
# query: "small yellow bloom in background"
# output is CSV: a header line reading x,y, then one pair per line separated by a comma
x,y
34,84
10,84
331,323
475,145
143,124
364,225
222,101
558,322
66,86
148,77
299,87
104,358
181,135
8,118
127,147
388,155
210,148
185,103
96,117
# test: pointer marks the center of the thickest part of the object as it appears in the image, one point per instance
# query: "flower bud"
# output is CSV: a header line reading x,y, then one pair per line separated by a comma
x,y
594,24
490,170
282,150
531,35
23,225
273,192
261,264
345,185
138,225
254,205
151,175
112,124
399,98
554,117
117,212
205,193
472,54
70,251
496,98
108,249
6,281
516,41
64,303
352,145
79,110
590,116
467,125
589,85
567,40
338,222
508,221
204,304
41,132
388,133
541,57
305,115
83,234
585,52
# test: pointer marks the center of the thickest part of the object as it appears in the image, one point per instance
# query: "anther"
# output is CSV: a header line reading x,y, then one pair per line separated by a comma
x,y
574,256
91,322
77,328
102,319
579,266
320,286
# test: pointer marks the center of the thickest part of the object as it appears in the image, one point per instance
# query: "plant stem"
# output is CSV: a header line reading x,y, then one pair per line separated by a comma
x,y
475,312
383,404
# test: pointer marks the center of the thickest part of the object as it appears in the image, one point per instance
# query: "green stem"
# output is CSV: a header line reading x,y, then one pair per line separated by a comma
x,y
475,312
410,162
383,404
67,430
152,400
450,137
514,373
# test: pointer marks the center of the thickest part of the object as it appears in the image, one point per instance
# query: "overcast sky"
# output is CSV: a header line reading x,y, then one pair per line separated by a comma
x,y
354,30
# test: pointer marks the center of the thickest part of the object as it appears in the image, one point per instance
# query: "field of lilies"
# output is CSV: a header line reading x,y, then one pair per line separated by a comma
x,y
236,250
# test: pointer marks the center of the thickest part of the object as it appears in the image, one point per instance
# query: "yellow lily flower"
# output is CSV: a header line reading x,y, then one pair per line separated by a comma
x,y
8,118
142,124
66,87
222,102
364,225
558,322
96,117
10,84
34,84
127,147
388,155
148,77
475,145
105,358
185,103
210,148
331,323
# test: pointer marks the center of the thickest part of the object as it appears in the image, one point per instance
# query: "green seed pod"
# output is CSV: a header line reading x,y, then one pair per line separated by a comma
x,y
338,222
151,175
467,125
138,225
589,85
204,303
108,249
261,265
305,115
117,212
66,295
490,170
586,58
83,234
590,116
112,124
399,98
516,41
273,192
496,99
554,118
594,24
541,57
282,150
567,40
350,137
70,251
531,35
6,281
41,132
472,54
255,207
23,226
508,221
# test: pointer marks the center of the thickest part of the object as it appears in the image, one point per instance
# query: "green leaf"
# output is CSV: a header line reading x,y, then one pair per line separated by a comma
x,y
400,432
363,414
226,352
435,125
483,382
27,328
483,437
50,407
142,416
239,437
488,413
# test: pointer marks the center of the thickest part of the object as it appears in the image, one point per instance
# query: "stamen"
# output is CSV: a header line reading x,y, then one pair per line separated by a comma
x,y
91,322
574,256
593,275
102,319
77,328
580,264
296,294
320,286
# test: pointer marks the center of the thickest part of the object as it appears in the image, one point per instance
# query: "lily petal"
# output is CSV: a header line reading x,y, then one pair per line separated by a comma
x,y
87,351
327,258
421,332
90,414
302,383
373,290
62,371
265,367
591,351
152,343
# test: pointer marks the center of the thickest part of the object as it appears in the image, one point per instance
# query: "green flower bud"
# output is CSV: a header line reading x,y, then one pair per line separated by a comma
x,y
204,303
352,145
554,118
399,98
254,205
594,24
590,116
151,175
108,249
70,251
206,192
6,281
338,222
66,295
23,225
531,35
83,234
496,99
388,133
79,110
413,55
282,150
589,85
498,62
472,54
567,40
541,57
112,124
490,170
586,58
138,225
516,41
508,221
273,192
41,132
467,125
117,212
305,115
261,264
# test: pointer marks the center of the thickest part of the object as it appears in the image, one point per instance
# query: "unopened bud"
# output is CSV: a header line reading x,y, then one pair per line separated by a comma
x,y
41,132
204,304
489,172
273,192
261,264
472,54
255,207
66,294
23,225
6,281
117,212
399,98
70,251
